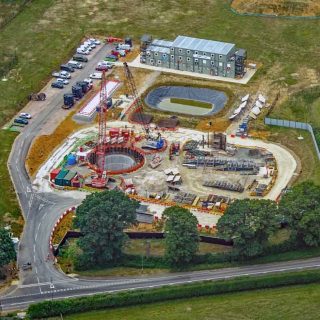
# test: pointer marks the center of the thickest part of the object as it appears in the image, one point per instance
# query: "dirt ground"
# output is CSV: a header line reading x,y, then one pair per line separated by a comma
x,y
279,7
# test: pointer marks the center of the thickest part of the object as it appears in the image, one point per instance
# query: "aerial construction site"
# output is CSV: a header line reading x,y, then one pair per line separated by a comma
x,y
159,161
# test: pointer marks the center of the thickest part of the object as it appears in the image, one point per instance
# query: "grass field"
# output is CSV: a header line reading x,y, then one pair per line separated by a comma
x,y
46,33
193,103
9,207
299,302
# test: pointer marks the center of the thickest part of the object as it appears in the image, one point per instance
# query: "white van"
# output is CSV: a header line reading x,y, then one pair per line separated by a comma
x,y
123,46
75,64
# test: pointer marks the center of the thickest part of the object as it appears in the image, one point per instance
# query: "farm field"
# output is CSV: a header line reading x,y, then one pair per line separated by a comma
x,y
283,303
279,7
39,44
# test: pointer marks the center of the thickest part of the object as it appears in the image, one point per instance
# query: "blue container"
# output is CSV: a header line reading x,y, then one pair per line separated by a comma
x,y
71,160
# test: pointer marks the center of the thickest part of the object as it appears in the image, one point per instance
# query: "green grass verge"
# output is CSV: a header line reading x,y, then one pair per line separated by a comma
x,y
192,103
9,208
298,302
138,297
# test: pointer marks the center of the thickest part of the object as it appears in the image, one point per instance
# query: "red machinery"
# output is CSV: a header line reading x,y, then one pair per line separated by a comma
x,y
102,110
113,39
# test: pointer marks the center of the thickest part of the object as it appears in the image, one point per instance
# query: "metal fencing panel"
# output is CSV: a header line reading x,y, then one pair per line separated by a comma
x,y
294,125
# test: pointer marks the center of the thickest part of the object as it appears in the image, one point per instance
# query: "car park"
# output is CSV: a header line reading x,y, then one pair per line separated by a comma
x,y
65,67
63,81
95,41
75,64
21,121
80,58
111,58
121,53
96,75
102,67
57,85
83,51
65,75
25,115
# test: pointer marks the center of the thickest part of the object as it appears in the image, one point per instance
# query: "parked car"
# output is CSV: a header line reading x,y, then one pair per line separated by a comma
x,y
67,68
121,53
57,85
63,81
65,75
21,121
106,63
84,47
79,57
26,266
75,64
102,67
81,51
111,58
25,115
89,44
88,81
96,75
123,46
95,41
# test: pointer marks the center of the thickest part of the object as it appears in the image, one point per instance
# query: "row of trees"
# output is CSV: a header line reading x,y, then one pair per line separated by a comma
x,y
102,217
250,223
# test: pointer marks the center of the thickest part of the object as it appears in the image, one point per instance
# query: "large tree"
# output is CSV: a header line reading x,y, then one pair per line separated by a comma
x,y
7,251
309,228
181,236
300,208
249,223
101,218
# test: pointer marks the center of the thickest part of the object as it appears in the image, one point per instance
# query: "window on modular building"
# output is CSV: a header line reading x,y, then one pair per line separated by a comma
x,y
151,60
212,63
180,58
188,51
196,52
159,61
220,56
164,55
172,49
204,54
148,53
212,55
220,64
172,56
228,65
180,50
188,59
196,61
204,61
156,54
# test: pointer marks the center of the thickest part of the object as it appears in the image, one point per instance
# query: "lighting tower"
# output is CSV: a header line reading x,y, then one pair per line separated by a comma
x,y
102,118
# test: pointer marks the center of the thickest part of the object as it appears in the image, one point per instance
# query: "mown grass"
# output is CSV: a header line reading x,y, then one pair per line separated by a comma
x,y
9,207
298,302
192,103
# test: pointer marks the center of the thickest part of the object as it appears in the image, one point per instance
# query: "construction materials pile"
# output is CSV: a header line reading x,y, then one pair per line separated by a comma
x,y
184,198
224,185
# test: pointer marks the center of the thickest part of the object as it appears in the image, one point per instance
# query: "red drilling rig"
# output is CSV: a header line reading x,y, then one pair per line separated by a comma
x,y
101,180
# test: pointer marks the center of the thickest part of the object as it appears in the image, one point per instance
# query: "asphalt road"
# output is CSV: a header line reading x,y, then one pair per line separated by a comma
x,y
41,211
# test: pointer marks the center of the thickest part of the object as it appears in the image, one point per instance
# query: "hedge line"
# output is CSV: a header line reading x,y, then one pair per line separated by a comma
x,y
102,301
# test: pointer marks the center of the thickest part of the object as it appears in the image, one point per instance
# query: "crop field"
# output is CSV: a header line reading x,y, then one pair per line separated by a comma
x,y
279,7
283,303
46,32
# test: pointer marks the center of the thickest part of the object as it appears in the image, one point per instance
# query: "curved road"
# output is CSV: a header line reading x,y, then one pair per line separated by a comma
x,y
41,211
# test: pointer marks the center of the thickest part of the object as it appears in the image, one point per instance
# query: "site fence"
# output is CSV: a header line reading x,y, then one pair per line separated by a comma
x,y
294,125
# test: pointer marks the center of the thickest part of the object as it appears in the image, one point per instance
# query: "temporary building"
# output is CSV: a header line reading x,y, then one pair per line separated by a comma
x,y
68,177
256,110
59,178
258,104
245,98
262,98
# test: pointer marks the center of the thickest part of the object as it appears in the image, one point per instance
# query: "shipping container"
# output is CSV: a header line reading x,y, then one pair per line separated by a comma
x,y
54,173
68,177
59,178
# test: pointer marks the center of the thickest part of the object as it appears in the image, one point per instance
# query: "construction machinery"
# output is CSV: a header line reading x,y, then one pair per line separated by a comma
x,y
37,96
154,143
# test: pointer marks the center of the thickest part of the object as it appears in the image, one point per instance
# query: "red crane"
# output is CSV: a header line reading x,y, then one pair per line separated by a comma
x,y
102,119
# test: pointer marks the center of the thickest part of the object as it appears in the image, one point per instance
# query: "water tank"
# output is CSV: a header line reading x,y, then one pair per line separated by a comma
x,y
71,160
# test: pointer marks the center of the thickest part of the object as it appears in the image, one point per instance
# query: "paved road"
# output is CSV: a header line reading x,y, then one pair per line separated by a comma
x,y
41,210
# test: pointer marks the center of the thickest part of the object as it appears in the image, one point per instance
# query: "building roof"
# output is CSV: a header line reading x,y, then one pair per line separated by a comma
x,y
158,49
162,43
203,45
